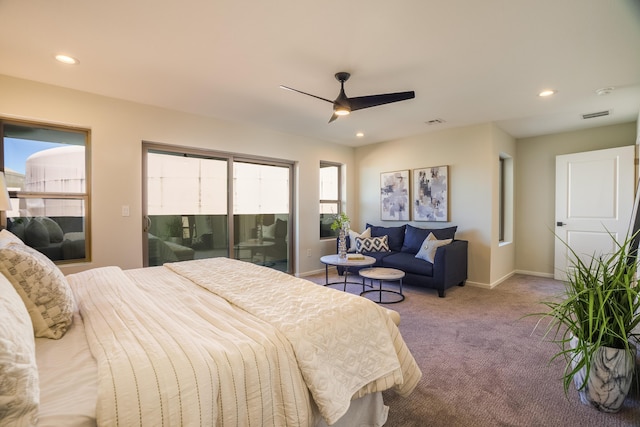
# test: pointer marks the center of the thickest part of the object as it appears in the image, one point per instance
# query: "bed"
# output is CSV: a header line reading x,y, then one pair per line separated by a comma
x,y
202,342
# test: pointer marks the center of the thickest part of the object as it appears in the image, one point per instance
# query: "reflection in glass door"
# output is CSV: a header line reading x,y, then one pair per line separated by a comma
x,y
261,197
186,207
202,205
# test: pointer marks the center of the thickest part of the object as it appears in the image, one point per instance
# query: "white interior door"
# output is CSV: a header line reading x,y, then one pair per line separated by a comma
x,y
594,197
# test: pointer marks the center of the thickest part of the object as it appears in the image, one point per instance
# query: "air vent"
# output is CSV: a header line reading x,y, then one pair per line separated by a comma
x,y
434,122
598,114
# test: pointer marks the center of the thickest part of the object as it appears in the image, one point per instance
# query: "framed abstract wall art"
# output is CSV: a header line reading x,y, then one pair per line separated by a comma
x,y
430,199
394,196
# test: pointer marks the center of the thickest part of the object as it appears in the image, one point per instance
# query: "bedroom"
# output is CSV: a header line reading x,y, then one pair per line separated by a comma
x,y
118,126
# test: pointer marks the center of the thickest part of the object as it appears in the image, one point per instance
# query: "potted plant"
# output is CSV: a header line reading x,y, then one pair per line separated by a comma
x,y
341,223
593,322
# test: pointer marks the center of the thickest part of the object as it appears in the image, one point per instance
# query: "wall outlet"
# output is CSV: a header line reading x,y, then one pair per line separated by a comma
x,y
125,210
308,252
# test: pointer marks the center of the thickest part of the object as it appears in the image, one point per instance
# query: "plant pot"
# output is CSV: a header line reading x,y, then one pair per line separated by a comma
x,y
610,377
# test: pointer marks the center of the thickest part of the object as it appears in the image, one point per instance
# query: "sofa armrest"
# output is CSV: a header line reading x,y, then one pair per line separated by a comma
x,y
450,264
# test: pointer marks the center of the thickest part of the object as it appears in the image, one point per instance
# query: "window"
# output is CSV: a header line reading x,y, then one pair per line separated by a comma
x,y
330,197
202,204
505,199
48,181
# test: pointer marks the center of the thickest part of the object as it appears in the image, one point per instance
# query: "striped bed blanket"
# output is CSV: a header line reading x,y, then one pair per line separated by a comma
x,y
225,342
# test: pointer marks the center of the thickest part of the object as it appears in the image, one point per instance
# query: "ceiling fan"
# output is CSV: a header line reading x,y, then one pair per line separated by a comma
x,y
344,105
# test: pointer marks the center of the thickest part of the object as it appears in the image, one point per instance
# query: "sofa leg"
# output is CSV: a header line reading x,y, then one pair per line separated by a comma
x,y
441,293
461,283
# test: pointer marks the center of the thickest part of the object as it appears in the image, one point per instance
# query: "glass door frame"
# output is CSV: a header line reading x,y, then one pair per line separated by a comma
x,y
230,158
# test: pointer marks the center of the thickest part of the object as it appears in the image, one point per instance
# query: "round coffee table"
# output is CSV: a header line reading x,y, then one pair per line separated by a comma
x,y
382,274
334,259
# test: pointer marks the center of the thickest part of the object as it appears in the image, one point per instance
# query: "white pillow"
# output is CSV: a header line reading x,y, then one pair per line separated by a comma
x,y
352,238
269,231
7,237
19,384
42,286
429,247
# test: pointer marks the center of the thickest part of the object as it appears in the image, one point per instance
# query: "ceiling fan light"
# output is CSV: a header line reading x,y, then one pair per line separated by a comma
x,y
342,111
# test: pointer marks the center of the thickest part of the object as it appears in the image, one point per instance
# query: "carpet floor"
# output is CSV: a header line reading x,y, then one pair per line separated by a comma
x,y
482,362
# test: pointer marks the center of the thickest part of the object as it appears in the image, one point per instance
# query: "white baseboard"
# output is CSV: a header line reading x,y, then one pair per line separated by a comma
x,y
535,273
311,273
478,284
502,279
468,282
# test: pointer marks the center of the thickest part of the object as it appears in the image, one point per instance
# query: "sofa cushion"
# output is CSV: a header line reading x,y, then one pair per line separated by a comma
x,y
351,238
372,244
281,229
414,236
36,234
56,234
429,247
395,235
408,263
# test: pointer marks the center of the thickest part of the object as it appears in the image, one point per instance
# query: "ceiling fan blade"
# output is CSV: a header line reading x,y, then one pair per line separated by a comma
x,y
333,117
360,102
304,93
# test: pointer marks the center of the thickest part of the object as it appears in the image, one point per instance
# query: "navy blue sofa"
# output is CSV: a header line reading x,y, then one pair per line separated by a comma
x,y
449,266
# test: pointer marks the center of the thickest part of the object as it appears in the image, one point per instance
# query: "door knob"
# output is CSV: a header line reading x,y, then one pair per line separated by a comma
x,y
560,223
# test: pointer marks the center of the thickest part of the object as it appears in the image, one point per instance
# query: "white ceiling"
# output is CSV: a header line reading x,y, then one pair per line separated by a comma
x,y
468,61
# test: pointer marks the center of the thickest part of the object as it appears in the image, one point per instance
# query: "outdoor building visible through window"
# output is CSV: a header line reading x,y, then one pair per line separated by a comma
x,y
46,174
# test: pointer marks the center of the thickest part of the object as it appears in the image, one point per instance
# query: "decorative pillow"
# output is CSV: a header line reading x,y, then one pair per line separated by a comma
x,y
351,242
430,246
269,231
394,234
42,286
372,244
19,385
56,235
7,237
414,236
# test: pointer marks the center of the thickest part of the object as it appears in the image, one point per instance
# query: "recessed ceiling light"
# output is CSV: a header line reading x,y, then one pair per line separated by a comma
x,y
604,91
359,134
66,59
547,92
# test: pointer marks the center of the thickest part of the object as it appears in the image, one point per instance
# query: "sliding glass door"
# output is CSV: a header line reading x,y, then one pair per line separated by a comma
x,y
203,204
261,219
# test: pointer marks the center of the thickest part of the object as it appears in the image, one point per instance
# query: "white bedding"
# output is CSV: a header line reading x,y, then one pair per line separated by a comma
x,y
217,353
68,379
341,342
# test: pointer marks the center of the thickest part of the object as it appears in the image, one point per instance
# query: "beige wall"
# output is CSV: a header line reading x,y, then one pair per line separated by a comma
x,y
472,156
502,253
117,130
118,127
535,188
